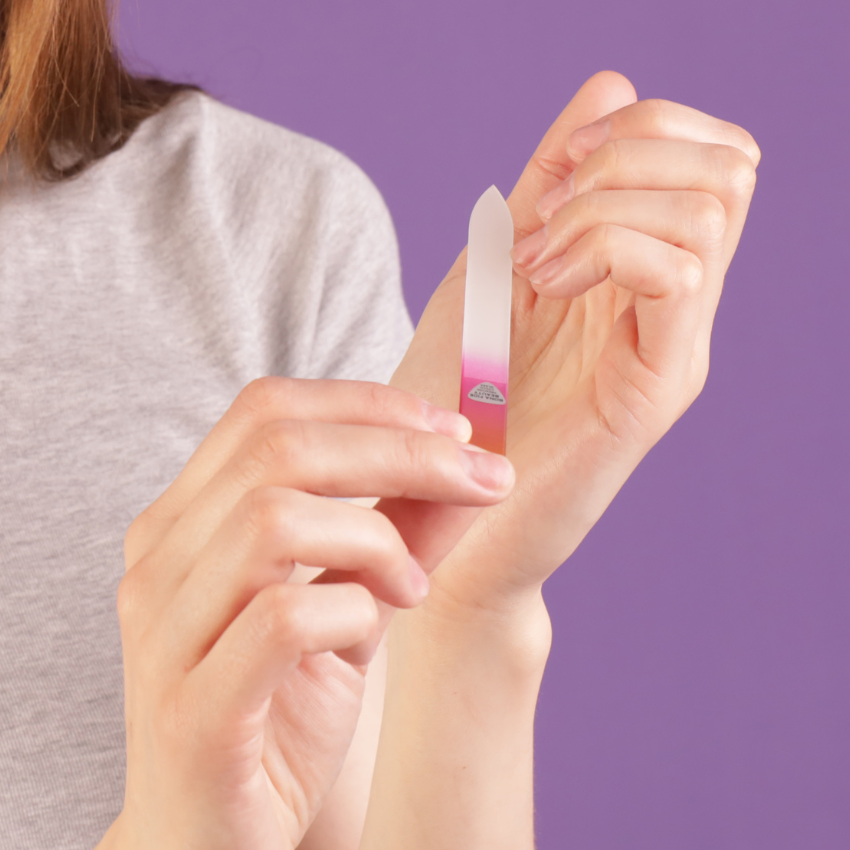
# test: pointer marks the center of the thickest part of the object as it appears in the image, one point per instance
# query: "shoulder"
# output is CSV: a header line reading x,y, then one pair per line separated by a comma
x,y
249,166
301,229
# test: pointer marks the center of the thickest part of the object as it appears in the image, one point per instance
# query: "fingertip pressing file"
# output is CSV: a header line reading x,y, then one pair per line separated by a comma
x,y
486,344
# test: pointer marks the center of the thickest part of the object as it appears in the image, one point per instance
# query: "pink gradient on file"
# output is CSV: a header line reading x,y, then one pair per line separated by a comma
x,y
489,421
495,371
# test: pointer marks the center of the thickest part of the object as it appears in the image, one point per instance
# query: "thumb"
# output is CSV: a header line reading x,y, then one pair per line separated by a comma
x,y
601,94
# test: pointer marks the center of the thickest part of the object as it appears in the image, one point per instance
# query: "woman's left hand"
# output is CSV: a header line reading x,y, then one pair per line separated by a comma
x,y
625,229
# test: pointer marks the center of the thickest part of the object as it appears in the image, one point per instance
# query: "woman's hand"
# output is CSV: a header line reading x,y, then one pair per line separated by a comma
x,y
625,229
243,689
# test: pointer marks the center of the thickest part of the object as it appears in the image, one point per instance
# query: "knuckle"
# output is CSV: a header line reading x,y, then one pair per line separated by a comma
x,y
412,455
268,512
733,168
606,161
690,273
743,140
709,217
386,546
388,404
282,618
657,113
130,596
370,609
602,237
600,242
264,394
360,598
376,400
589,206
137,536
611,154
754,151
278,443
742,174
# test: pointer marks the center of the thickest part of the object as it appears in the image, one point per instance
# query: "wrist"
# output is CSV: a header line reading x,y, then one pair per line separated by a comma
x,y
513,632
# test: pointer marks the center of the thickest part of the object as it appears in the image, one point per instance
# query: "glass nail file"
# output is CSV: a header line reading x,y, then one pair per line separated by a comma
x,y
487,322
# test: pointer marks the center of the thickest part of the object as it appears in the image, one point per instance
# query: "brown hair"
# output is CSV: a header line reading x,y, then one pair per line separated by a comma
x,y
64,89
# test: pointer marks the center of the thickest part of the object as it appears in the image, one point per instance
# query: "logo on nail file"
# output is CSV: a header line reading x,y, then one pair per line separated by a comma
x,y
486,392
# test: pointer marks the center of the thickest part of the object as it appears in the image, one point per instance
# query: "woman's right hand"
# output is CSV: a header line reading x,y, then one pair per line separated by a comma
x,y
242,690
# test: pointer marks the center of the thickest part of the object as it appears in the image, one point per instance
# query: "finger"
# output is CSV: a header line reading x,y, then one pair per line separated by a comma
x,y
602,94
660,119
328,459
257,546
721,170
695,221
666,280
272,398
430,531
268,639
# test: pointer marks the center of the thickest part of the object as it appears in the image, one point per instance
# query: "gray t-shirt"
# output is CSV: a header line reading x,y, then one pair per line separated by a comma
x,y
135,302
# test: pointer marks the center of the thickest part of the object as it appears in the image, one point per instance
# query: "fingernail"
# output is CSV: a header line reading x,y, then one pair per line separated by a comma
x,y
587,139
447,422
545,274
492,471
418,580
525,252
561,195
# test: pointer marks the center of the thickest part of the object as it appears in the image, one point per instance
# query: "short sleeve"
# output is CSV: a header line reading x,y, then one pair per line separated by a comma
x,y
305,243
362,327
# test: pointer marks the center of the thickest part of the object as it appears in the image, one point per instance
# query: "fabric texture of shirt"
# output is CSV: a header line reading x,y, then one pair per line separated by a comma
x,y
135,302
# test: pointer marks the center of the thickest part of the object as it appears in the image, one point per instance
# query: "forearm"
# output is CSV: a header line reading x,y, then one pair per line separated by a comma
x,y
455,759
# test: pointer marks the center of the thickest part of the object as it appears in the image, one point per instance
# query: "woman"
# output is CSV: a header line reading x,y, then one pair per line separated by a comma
x,y
161,253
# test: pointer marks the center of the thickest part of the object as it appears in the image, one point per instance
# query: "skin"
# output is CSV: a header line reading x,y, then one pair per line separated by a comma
x,y
243,689
609,353
606,354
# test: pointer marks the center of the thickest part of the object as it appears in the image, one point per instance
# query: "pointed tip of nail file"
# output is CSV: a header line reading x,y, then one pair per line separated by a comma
x,y
493,208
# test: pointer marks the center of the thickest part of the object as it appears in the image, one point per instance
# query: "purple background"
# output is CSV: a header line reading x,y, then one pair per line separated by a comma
x,y
698,693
